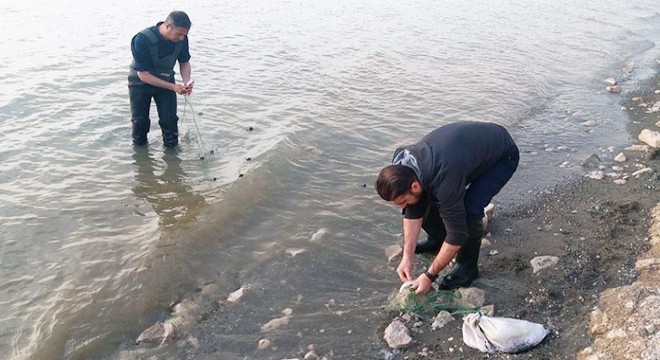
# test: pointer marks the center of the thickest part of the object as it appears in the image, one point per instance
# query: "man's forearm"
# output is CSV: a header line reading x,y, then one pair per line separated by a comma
x,y
146,77
411,230
185,70
446,253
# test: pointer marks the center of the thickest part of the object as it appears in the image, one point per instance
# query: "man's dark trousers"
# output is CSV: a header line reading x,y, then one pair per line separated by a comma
x,y
140,97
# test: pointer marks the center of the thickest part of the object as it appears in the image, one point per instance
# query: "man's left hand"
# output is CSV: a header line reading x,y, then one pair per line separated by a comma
x,y
422,284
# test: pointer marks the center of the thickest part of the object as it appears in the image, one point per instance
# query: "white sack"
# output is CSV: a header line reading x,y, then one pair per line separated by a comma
x,y
473,336
503,334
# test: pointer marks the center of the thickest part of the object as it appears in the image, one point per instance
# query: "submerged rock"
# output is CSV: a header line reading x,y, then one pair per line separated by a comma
x,y
158,333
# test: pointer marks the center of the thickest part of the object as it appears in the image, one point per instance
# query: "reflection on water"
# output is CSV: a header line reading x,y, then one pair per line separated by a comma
x,y
163,185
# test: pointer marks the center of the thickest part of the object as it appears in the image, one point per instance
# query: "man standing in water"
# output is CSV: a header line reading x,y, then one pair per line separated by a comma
x,y
443,183
155,51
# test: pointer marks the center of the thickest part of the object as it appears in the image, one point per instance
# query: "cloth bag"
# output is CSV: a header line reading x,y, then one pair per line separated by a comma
x,y
490,334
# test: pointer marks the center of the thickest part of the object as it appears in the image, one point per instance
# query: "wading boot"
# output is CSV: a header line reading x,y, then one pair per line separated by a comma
x,y
428,245
465,270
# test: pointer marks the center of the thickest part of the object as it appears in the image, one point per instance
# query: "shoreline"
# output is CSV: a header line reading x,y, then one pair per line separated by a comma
x,y
598,229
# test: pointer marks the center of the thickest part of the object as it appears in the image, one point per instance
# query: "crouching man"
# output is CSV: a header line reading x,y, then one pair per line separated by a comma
x,y
442,183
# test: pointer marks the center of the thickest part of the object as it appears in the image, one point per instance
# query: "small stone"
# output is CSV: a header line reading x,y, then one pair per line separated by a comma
x,y
275,323
615,89
637,100
287,311
620,181
485,243
493,252
588,123
236,295
541,262
264,344
442,319
592,161
248,159
240,175
250,128
642,171
638,147
610,81
621,157
596,175
617,168
311,356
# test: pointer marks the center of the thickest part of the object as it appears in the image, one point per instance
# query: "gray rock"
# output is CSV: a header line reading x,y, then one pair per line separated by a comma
x,y
397,335
541,262
592,161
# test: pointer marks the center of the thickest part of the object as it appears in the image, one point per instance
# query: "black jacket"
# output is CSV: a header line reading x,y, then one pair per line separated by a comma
x,y
446,161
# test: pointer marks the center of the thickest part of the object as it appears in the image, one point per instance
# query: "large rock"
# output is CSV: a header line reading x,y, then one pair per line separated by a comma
x,y
625,324
397,335
470,297
650,137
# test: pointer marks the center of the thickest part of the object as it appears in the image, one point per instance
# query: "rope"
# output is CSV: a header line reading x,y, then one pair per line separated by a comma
x,y
198,134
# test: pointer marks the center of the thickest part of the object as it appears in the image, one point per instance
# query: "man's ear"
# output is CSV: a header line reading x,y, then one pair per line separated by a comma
x,y
416,187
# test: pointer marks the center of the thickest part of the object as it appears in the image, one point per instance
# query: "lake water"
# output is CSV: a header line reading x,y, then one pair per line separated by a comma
x,y
99,238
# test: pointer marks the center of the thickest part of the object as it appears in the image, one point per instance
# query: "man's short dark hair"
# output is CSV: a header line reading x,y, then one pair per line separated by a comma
x,y
179,19
394,181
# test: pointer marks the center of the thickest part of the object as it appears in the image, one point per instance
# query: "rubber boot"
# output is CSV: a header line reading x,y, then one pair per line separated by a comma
x,y
466,268
428,245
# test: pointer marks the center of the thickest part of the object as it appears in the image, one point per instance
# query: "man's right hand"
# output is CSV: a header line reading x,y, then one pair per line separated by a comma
x,y
179,89
405,269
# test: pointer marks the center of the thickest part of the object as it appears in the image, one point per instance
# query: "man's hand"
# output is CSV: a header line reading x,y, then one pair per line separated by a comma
x,y
422,284
405,269
189,86
179,89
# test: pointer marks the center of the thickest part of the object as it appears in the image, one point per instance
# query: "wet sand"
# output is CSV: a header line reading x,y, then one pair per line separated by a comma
x,y
597,228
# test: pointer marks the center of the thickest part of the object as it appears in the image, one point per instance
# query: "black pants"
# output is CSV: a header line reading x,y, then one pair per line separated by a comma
x,y
140,96
479,194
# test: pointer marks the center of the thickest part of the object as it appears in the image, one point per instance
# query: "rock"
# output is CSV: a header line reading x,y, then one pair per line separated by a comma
x,y
585,123
617,168
397,335
598,322
236,295
637,100
616,89
621,157
311,355
470,297
485,243
653,109
275,324
442,319
592,161
596,175
541,262
493,252
638,147
610,81
158,333
650,137
287,311
293,251
642,171
620,181
264,344
392,251
318,235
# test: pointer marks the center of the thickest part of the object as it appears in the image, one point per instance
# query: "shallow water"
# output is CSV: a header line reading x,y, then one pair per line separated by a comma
x,y
98,238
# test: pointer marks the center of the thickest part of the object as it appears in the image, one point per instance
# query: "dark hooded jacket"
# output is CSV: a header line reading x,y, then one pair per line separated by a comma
x,y
446,161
